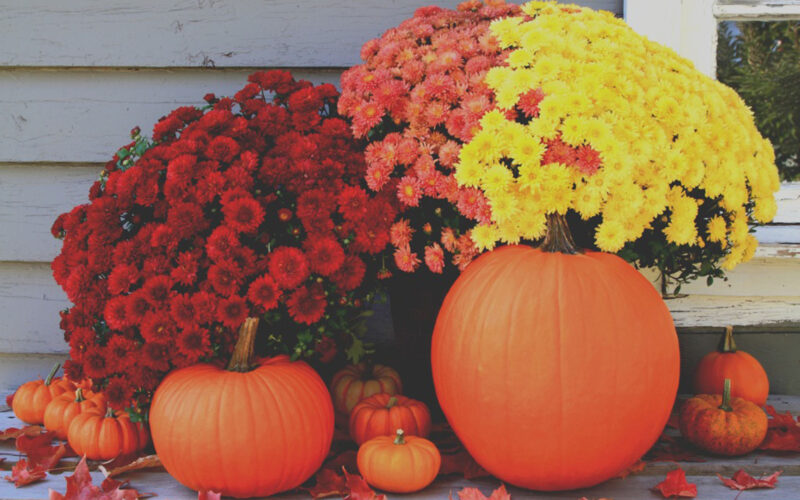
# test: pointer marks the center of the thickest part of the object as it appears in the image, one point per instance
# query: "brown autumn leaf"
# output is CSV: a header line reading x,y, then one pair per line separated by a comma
x,y
14,433
329,484
475,494
741,480
783,432
675,485
80,487
24,473
114,469
359,489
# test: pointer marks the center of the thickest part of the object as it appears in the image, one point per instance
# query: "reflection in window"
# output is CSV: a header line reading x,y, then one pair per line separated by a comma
x,y
761,61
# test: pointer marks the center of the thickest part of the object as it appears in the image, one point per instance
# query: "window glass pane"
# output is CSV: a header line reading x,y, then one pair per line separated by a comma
x,y
761,61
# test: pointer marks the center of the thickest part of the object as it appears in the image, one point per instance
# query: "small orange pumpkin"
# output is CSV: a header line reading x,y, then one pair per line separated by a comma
x,y
399,463
65,407
722,424
32,398
382,414
101,436
355,383
748,378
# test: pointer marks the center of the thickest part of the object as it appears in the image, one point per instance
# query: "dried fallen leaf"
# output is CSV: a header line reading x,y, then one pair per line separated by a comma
x,y
741,480
639,466
348,459
461,462
209,495
80,487
329,484
672,449
675,485
148,462
14,433
783,433
39,451
24,473
475,494
359,489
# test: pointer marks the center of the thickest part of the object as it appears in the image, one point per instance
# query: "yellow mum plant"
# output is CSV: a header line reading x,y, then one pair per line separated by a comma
x,y
645,154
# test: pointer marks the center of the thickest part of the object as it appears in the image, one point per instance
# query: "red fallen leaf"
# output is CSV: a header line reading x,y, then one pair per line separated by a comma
x,y
675,485
359,489
24,473
14,433
741,480
461,462
128,463
633,469
80,487
475,494
39,451
10,399
209,495
329,484
348,459
783,433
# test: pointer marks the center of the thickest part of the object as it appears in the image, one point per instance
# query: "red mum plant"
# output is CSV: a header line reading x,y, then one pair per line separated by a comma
x,y
253,205
418,98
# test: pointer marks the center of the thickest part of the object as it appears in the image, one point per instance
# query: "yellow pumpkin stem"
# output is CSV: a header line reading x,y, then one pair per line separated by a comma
x,y
400,438
392,402
242,358
558,237
726,396
727,344
49,378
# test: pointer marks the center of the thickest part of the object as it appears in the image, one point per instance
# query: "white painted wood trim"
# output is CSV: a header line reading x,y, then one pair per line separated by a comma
x,y
767,11
721,310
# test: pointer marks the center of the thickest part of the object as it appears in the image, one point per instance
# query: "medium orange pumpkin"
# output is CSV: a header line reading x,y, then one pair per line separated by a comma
x,y
62,409
556,370
724,425
399,463
103,436
748,378
355,383
32,398
382,414
252,430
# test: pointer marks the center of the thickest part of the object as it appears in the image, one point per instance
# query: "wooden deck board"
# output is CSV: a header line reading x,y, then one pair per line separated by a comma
x,y
635,487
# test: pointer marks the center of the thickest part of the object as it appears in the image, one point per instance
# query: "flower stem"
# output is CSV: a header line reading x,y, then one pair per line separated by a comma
x,y
726,396
242,358
558,237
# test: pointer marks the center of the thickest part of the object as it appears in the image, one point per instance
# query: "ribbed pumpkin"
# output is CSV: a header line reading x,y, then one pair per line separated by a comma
x,y
103,436
65,407
556,370
399,463
723,424
252,430
32,398
382,414
747,376
355,383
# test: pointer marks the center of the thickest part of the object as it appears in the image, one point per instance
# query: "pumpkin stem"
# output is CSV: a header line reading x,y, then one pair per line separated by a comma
x,y
241,361
49,378
110,413
726,396
727,344
558,237
392,402
400,438
79,395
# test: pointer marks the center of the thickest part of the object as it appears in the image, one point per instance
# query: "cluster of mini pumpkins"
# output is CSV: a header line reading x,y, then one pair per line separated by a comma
x,y
726,418
76,414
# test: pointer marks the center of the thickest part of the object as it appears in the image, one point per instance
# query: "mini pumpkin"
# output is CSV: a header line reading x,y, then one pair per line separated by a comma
x,y
99,436
399,463
748,378
722,424
32,398
355,383
65,407
382,414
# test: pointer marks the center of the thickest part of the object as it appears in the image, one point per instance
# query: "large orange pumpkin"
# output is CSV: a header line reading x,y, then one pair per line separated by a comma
x,y
355,383
556,371
32,398
252,430
748,378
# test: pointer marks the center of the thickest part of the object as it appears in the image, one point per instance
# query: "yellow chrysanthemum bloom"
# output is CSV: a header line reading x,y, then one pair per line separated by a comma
x,y
626,130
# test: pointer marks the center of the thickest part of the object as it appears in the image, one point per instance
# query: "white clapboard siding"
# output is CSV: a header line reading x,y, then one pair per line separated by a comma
x,y
198,33
84,116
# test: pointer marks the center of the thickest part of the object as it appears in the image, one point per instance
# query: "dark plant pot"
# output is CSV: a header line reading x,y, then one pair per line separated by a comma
x,y
415,300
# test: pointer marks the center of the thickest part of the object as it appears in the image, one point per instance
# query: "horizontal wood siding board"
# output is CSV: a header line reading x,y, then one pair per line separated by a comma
x,y
16,369
85,116
720,310
202,33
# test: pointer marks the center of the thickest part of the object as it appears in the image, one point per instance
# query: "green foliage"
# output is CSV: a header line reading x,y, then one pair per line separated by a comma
x,y
761,61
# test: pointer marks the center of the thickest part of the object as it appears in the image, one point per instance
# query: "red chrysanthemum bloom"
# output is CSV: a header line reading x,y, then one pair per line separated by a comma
x,y
325,255
264,292
353,203
406,260
288,266
588,160
350,275
222,149
157,290
193,343
232,311
122,278
409,191
116,313
307,304
243,215
118,392
434,258
528,102
400,233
